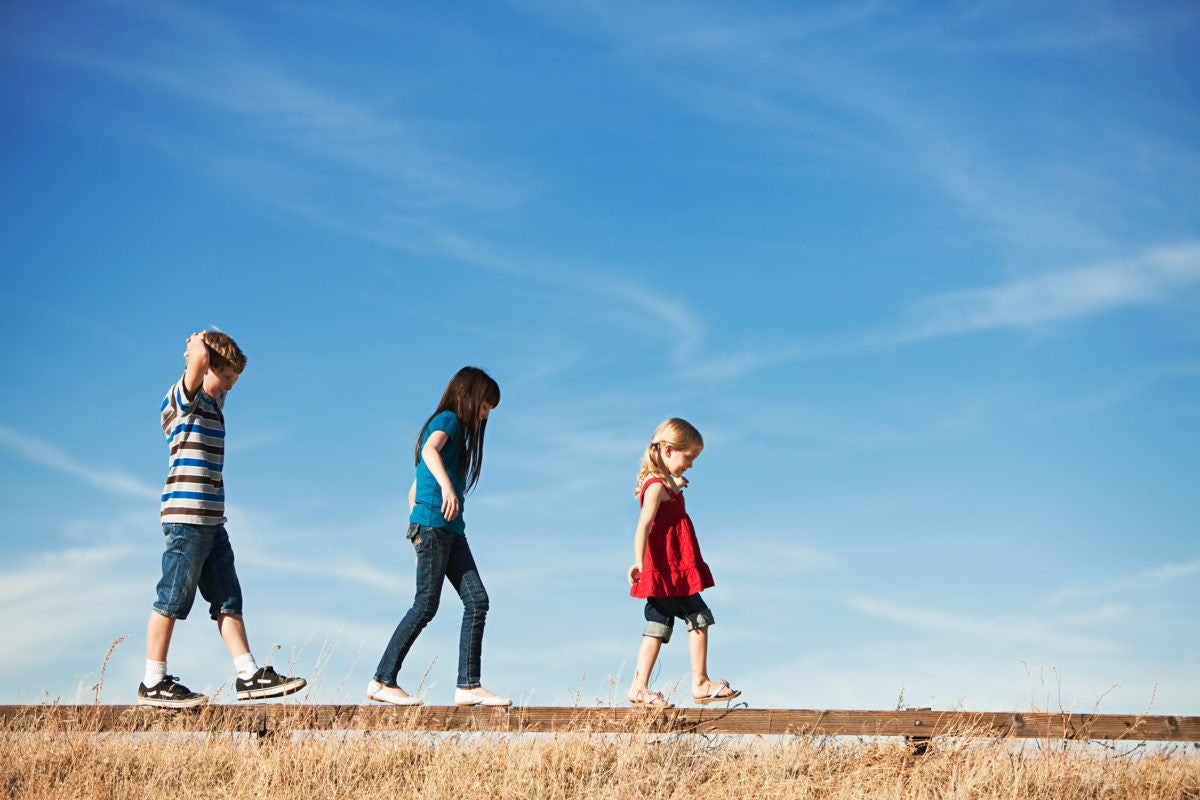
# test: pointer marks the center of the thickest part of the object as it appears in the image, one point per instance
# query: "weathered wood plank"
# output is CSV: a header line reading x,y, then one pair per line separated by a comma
x,y
277,718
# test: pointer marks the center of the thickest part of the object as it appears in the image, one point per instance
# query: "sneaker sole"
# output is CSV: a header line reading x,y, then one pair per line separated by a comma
x,y
290,687
153,703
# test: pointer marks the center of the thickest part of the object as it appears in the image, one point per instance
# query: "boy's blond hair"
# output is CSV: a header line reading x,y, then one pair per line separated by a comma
x,y
680,435
223,352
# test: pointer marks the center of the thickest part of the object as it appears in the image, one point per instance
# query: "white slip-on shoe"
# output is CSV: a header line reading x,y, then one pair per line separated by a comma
x,y
391,694
467,697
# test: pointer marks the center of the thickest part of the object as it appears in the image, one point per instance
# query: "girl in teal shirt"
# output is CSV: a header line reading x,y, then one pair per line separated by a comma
x,y
448,456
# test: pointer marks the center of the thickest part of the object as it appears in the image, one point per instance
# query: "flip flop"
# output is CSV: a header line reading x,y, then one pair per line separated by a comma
x,y
656,700
716,696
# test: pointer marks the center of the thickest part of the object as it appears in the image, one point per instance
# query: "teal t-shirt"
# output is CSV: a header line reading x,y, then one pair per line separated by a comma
x,y
428,510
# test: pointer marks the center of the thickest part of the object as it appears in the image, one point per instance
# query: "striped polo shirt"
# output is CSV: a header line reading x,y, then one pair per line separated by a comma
x,y
194,493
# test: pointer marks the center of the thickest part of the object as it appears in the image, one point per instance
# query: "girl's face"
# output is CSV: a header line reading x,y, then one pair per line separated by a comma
x,y
678,461
484,411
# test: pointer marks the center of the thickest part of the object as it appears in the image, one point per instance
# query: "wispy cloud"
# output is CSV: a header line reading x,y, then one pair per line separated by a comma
x,y
818,80
762,559
61,598
1155,276
681,326
403,184
1154,578
1002,26
386,154
1025,630
329,568
47,455
1151,277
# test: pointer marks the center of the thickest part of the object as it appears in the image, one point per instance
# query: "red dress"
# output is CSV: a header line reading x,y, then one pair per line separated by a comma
x,y
672,565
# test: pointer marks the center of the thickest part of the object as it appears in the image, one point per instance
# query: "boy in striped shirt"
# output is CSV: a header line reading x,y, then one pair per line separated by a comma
x,y
198,554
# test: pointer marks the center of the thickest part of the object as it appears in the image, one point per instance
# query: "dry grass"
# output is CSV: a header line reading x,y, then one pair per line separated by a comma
x,y
169,761
167,764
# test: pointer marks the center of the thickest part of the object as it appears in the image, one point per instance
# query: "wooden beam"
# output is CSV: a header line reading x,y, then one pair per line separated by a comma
x,y
277,718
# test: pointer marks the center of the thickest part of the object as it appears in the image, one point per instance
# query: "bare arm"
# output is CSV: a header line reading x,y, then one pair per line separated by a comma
x,y
431,453
196,356
412,495
651,500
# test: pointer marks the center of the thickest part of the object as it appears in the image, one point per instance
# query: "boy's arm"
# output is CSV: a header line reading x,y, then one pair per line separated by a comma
x,y
196,356
650,503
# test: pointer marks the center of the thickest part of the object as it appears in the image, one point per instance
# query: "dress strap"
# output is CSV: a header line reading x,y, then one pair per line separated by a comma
x,y
650,482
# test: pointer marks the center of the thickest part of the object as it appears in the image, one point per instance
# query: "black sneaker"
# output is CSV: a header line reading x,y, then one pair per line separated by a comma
x,y
267,683
169,693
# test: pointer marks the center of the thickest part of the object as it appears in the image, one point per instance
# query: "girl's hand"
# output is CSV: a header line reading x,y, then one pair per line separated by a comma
x,y
635,573
450,504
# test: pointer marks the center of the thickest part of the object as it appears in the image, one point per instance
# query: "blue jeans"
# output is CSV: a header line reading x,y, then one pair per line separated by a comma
x,y
661,612
197,556
441,555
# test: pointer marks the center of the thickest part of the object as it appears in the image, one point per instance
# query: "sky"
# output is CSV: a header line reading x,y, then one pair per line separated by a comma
x,y
925,276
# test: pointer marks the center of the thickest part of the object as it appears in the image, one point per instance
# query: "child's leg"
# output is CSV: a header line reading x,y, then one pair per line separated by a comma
x,y
158,688
640,692
464,577
660,621
698,650
233,632
158,636
219,585
704,689
185,550
252,682
699,616
433,553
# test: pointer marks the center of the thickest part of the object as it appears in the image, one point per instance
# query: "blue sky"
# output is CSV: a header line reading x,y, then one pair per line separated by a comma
x,y
925,277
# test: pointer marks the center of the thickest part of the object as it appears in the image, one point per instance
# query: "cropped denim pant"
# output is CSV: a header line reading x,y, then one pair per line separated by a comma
x,y
441,555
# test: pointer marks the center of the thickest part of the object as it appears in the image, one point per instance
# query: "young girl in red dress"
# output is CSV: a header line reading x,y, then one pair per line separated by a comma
x,y
669,572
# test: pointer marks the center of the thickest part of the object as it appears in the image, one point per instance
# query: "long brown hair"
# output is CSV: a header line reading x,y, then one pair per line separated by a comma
x,y
465,395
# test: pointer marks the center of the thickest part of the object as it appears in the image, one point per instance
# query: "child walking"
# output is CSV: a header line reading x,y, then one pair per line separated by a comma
x,y
448,456
668,571
197,552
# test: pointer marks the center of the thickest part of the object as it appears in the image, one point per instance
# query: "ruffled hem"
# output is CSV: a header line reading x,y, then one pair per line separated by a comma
x,y
678,584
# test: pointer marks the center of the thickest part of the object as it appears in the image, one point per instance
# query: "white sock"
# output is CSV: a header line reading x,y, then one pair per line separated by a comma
x,y
245,666
155,672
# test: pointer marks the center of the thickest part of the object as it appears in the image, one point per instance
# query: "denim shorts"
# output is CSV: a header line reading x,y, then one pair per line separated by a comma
x,y
662,611
197,557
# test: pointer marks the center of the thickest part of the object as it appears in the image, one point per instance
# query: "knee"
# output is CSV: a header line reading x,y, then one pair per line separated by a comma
x,y
476,604
424,610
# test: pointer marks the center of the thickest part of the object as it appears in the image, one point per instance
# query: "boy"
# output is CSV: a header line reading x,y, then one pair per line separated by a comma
x,y
198,553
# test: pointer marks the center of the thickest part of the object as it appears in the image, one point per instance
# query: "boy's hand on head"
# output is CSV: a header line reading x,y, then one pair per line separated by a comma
x,y
196,347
